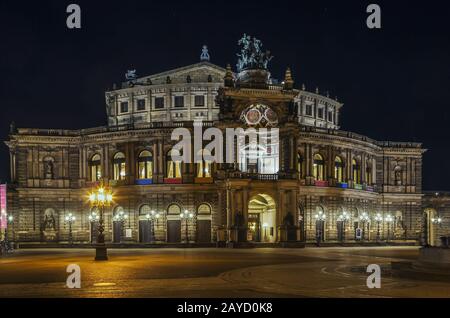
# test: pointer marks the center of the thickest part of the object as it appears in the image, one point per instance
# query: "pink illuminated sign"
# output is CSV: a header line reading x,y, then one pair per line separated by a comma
x,y
3,221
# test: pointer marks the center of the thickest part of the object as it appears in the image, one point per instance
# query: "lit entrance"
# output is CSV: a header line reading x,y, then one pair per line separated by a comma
x,y
261,219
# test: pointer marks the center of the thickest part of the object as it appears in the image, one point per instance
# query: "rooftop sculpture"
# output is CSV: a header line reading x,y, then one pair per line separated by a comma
x,y
252,55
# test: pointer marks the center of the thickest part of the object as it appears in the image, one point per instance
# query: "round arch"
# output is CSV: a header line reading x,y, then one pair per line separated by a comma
x,y
261,218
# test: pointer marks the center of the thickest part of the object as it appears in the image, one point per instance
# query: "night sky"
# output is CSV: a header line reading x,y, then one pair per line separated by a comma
x,y
394,82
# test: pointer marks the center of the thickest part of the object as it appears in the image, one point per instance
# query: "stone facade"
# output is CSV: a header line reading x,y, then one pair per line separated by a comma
x,y
435,217
320,169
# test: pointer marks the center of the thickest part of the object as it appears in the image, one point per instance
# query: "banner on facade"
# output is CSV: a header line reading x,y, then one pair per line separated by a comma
x,y
3,220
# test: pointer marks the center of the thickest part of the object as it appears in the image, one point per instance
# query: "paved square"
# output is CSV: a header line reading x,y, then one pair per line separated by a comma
x,y
261,272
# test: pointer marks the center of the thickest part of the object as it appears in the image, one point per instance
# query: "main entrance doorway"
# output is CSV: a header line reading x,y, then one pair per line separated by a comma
x,y
261,219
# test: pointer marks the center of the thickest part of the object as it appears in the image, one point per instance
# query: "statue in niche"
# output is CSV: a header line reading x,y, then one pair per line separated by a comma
x,y
398,175
48,169
109,104
49,221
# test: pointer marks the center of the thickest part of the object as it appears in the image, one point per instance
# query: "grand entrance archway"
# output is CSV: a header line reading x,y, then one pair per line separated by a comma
x,y
261,219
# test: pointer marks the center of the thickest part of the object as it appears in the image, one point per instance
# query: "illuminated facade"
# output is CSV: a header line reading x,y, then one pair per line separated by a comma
x,y
317,182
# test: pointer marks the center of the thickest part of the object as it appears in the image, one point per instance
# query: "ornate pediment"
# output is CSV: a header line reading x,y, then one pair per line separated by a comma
x,y
200,72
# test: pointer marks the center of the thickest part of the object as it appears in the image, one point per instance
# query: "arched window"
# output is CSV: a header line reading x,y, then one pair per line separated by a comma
x,y
204,166
145,165
119,166
356,171
338,169
398,175
118,210
300,165
173,167
369,179
204,209
95,168
174,209
318,167
144,210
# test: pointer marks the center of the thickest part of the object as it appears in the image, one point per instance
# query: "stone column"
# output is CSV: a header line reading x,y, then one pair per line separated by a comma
x,y
374,171
168,104
245,206
12,160
161,160
150,104
155,162
363,169
309,165
293,151
189,102
132,163
330,165
349,168
105,158
85,166
232,233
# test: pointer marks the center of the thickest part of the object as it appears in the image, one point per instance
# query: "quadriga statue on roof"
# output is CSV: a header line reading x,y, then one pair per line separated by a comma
x,y
252,55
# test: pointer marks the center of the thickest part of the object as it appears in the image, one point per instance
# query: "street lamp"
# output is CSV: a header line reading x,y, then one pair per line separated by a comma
x,y
93,218
436,221
320,220
187,217
344,217
378,219
121,217
151,217
10,220
101,198
364,218
70,218
389,219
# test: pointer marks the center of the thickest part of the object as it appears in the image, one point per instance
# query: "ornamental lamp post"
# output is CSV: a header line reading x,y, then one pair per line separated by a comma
x,y
93,219
389,219
10,220
343,218
187,217
378,219
100,198
121,217
364,218
437,222
157,216
151,217
148,217
320,220
70,218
